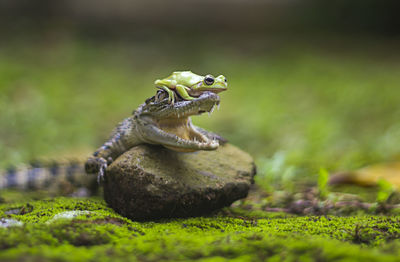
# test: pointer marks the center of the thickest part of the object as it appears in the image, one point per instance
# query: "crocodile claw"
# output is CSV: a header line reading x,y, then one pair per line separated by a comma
x,y
96,165
102,171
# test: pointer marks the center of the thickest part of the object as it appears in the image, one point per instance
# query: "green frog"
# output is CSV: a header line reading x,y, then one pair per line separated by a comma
x,y
189,85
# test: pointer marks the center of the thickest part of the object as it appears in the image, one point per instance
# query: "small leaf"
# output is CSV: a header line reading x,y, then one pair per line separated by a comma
x,y
370,175
323,178
386,189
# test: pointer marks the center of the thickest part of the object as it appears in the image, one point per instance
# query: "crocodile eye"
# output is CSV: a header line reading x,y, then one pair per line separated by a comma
x,y
209,80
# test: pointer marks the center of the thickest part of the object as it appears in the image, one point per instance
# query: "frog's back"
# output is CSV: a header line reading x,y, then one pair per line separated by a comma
x,y
187,78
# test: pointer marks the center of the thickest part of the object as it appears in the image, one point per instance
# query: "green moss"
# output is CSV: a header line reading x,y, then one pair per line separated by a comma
x,y
102,235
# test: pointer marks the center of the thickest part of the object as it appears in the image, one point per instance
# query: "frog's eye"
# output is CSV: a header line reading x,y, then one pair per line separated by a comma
x,y
209,80
225,80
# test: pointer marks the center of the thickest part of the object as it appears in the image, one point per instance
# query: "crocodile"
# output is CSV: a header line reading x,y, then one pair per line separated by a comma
x,y
156,121
159,122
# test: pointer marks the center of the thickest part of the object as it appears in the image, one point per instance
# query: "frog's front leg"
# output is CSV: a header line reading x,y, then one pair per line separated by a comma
x,y
167,85
171,95
182,91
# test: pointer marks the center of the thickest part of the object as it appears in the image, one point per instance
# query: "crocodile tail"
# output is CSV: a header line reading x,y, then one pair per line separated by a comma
x,y
60,178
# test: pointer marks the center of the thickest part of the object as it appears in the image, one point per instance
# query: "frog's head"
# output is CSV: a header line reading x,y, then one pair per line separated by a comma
x,y
209,83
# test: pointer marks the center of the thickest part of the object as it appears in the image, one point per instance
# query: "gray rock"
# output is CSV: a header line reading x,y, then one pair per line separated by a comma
x,y
152,182
69,215
8,222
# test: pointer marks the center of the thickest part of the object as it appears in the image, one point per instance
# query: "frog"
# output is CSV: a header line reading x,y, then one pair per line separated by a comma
x,y
189,85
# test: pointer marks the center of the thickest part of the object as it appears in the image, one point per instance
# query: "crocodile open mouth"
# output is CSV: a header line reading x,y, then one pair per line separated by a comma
x,y
181,127
180,124
184,130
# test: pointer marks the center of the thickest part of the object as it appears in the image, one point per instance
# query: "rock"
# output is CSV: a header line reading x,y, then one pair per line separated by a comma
x,y
69,215
152,182
9,222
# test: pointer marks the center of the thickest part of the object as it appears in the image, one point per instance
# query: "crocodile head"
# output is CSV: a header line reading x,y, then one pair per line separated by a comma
x,y
160,122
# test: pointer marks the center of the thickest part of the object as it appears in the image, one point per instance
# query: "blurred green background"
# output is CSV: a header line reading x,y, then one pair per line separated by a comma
x,y
311,83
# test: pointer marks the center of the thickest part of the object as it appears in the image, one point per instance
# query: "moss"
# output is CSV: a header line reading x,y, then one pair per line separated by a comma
x,y
102,235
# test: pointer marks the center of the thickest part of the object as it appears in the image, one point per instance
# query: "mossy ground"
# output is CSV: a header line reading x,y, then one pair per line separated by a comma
x,y
103,235
295,105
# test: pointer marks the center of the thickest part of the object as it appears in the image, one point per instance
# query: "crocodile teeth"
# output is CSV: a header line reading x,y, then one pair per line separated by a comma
x,y
212,109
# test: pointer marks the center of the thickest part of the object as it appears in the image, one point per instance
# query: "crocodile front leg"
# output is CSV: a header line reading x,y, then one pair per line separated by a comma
x,y
122,139
95,165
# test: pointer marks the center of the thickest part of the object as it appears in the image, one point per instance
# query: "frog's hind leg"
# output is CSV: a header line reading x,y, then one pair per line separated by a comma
x,y
182,91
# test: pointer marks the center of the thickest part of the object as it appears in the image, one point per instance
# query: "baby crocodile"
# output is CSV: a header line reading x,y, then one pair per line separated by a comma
x,y
155,122
159,122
